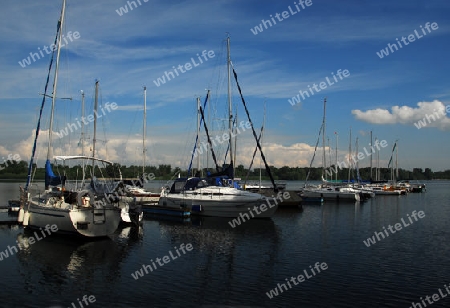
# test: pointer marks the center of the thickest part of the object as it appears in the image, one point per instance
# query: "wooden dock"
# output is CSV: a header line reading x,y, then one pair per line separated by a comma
x,y
8,217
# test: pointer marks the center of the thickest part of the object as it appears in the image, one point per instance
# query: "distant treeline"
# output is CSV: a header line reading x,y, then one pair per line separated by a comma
x,y
19,170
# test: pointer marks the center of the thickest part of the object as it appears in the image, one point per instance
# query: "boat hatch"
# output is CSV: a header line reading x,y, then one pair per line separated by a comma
x,y
99,216
194,183
178,186
82,225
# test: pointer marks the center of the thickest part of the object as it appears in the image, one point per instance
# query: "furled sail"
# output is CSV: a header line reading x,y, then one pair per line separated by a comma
x,y
50,178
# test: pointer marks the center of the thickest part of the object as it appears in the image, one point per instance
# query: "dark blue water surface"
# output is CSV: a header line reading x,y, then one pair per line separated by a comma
x,y
236,267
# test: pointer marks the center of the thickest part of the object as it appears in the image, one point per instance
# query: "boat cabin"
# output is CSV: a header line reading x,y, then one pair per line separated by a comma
x,y
183,184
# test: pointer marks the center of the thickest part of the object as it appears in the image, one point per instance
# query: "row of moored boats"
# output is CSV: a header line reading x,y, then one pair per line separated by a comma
x,y
357,192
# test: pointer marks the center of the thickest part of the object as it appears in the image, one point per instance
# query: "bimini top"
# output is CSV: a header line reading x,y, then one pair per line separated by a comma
x,y
81,157
182,184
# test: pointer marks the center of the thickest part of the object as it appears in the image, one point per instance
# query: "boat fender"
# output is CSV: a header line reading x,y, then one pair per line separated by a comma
x,y
26,218
82,200
21,215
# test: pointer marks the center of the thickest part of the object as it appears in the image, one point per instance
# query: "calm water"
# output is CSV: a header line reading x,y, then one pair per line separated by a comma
x,y
236,267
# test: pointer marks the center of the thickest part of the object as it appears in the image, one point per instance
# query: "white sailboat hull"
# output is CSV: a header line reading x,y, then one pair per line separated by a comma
x,y
330,195
141,196
87,221
145,199
220,202
131,213
388,192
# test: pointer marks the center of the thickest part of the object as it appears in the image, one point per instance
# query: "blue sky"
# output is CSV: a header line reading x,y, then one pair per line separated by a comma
x,y
132,50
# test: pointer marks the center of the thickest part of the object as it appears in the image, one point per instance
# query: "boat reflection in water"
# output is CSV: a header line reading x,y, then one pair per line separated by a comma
x,y
56,270
68,268
225,257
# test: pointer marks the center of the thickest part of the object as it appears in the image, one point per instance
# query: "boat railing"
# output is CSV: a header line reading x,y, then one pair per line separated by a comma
x,y
75,185
34,189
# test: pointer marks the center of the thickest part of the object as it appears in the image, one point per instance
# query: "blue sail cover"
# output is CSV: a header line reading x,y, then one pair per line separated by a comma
x,y
51,178
33,152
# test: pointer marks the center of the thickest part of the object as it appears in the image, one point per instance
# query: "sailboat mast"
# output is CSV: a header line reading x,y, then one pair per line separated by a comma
x,y
350,155
144,129
324,159
392,166
357,162
82,126
55,82
230,110
329,152
261,142
371,156
94,139
209,125
235,140
82,137
396,162
336,166
377,171
198,132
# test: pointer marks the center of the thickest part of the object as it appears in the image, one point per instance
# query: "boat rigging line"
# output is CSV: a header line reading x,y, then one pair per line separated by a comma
x,y
254,133
209,139
33,152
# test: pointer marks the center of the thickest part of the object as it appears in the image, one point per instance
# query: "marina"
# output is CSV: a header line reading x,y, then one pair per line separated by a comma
x,y
149,156
240,266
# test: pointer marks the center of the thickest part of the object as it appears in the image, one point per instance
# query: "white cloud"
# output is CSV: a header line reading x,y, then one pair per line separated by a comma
x,y
278,155
376,116
161,149
434,113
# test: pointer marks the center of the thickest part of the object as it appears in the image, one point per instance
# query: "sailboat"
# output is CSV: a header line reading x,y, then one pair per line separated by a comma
x,y
73,211
109,189
350,185
326,191
139,194
218,194
390,189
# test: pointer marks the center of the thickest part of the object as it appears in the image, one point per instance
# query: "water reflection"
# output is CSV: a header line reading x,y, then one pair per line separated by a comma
x,y
57,262
227,257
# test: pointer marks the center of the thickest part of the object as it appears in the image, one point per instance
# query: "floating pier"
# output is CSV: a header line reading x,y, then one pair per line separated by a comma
x,y
163,210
